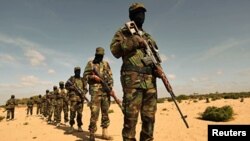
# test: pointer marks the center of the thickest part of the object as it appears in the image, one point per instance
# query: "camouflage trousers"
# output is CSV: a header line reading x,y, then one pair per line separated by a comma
x,y
39,109
99,102
30,110
62,107
44,109
10,113
76,109
51,112
135,101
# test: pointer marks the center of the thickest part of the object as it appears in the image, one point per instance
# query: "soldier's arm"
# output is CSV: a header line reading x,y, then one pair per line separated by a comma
x,y
121,44
111,80
88,72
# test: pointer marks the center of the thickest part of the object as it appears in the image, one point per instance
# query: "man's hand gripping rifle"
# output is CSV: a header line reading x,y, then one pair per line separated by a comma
x,y
108,89
80,92
153,59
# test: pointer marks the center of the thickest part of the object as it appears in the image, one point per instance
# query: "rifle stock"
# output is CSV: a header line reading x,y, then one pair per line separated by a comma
x,y
153,59
108,89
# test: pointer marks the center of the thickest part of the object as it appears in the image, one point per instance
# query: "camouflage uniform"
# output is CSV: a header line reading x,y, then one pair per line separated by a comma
x,y
51,105
30,104
45,104
62,104
39,105
10,107
76,103
138,82
99,98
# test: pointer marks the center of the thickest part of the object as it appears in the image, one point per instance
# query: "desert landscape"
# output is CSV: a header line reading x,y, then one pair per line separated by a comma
x,y
169,125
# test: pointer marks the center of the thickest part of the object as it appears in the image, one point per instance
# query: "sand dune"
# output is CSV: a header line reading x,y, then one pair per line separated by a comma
x,y
168,126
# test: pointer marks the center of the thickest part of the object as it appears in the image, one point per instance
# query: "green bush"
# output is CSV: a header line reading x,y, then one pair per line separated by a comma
x,y
160,100
213,113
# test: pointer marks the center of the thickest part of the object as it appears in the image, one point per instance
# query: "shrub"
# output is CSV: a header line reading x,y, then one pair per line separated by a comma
x,y
213,113
160,100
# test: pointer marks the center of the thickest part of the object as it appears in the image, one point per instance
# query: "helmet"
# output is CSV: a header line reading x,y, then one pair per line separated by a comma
x,y
61,83
99,50
77,68
136,6
12,96
54,87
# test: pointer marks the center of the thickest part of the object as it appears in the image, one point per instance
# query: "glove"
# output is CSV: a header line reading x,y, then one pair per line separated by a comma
x,y
138,41
95,78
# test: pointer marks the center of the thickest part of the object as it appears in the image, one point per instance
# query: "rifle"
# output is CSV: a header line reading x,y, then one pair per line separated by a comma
x,y
79,92
153,59
108,89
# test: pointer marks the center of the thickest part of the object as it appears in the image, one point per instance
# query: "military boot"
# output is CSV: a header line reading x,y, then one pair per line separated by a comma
x,y
91,136
105,134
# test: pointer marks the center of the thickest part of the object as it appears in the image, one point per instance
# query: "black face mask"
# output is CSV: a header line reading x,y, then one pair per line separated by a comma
x,y
61,86
77,73
138,17
98,59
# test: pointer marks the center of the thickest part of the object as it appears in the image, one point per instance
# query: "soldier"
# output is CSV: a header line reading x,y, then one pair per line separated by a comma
x,y
62,104
45,104
39,105
52,104
76,98
99,98
10,107
30,104
138,80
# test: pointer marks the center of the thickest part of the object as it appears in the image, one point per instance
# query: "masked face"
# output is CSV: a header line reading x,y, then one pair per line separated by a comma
x,y
61,86
138,17
77,73
98,59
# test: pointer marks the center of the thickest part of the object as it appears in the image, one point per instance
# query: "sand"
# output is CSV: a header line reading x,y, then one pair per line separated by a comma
x,y
168,127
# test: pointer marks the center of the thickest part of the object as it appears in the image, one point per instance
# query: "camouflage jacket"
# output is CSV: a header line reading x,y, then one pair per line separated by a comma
x,y
104,70
30,103
79,83
134,73
11,103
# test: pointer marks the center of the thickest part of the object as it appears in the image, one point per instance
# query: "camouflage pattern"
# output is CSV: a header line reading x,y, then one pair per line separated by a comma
x,y
39,105
135,6
139,85
62,105
76,103
30,104
51,105
10,107
45,104
99,98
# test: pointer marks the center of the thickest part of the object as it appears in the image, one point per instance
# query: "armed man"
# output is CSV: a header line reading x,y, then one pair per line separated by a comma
x,y
38,102
100,99
45,104
52,105
77,90
30,104
10,108
138,79
62,104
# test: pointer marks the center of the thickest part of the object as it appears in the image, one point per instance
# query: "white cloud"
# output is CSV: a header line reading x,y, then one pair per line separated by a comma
x,y
35,57
171,76
30,49
6,58
51,71
218,49
163,57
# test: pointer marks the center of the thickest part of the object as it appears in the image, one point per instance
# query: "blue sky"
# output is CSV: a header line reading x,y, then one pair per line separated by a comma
x,y
204,43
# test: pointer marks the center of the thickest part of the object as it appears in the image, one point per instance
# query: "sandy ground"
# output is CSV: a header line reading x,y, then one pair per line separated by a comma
x,y
168,126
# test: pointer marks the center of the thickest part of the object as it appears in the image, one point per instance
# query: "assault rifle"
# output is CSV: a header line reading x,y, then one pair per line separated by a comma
x,y
153,59
108,89
80,92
